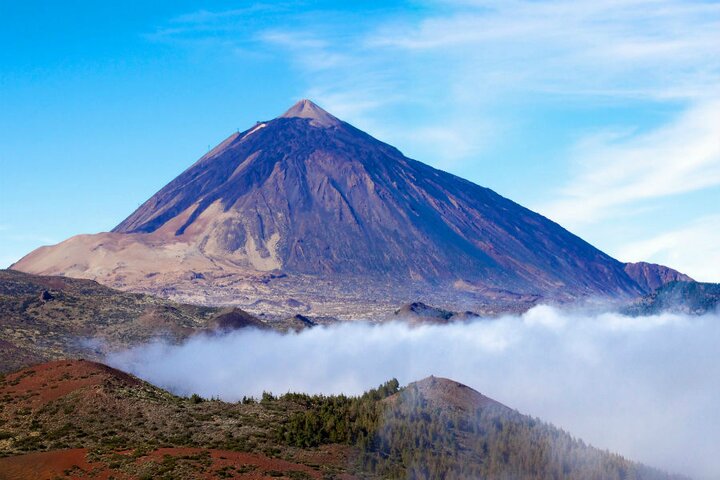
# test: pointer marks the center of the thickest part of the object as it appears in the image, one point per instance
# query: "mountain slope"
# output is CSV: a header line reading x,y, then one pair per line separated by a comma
x,y
310,195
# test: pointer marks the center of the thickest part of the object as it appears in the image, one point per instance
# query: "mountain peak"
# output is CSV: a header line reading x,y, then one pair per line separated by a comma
x,y
307,109
314,198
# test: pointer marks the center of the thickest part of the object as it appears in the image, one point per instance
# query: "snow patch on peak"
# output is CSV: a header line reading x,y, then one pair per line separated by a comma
x,y
255,129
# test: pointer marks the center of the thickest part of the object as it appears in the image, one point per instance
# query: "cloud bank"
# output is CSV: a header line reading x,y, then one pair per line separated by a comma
x,y
645,387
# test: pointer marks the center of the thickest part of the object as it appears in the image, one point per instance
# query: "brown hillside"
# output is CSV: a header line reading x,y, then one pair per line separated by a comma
x,y
68,413
41,384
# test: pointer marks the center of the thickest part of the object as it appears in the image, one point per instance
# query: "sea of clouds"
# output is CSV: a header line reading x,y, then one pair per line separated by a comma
x,y
645,387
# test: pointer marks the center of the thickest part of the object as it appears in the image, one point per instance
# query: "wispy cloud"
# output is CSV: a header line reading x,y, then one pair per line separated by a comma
x,y
205,17
462,54
309,51
637,48
13,235
232,30
468,58
617,171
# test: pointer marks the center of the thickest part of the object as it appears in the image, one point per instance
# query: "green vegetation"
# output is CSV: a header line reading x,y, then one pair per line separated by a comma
x,y
335,419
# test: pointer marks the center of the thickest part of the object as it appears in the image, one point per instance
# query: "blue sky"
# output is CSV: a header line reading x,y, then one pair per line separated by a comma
x,y
604,116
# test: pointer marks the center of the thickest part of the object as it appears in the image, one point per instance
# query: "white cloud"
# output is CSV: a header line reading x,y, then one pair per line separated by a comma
x,y
645,387
616,172
659,49
693,249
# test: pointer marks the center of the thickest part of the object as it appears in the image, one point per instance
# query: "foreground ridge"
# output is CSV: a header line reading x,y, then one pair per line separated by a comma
x,y
70,418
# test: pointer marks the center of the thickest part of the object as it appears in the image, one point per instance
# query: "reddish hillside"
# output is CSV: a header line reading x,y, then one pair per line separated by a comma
x,y
80,419
187,463
41,384
178,463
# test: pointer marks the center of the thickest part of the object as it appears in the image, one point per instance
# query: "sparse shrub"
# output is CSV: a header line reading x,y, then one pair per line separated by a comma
x,y
298,475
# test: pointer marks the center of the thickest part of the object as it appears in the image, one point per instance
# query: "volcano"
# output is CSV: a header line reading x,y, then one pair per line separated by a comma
x,y
305,211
